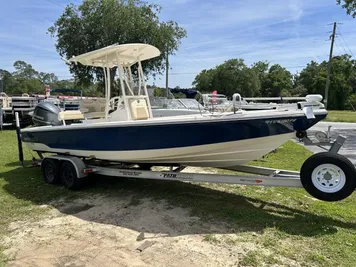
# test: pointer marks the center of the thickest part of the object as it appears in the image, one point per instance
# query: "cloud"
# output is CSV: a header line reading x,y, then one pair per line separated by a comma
x,y
215,16
288,32
291,33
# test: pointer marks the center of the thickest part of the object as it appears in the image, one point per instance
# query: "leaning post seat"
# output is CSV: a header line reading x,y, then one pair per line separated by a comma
x,y
139,110
69,115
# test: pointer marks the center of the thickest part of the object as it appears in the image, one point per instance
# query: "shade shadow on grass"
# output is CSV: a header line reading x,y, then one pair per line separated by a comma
x,y
241,213
27,164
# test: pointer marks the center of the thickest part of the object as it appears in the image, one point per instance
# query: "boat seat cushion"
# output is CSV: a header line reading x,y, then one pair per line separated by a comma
x,y
70,115
139,110
91,115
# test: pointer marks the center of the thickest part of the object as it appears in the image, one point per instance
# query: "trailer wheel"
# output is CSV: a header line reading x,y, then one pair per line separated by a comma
x,y
69,176
49,168
328,176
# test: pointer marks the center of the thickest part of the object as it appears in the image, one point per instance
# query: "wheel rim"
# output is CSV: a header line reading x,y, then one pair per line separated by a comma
x,y
68,176
328,178
50,172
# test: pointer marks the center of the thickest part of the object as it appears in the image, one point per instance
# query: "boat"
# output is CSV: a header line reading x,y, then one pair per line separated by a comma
x,y
164,106
68,102
92,107
23,104
128,132
64,102
216,102
239,102
5,108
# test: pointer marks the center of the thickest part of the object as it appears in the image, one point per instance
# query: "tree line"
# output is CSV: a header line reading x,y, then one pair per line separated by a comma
x,y
232,76
263,79
25,79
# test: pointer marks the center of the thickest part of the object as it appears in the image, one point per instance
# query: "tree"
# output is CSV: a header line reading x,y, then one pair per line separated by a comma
x,y
95,24
312,78
342,78
160,92
351,102
203,81
340,88
5,79
25,79
261,69
233,76
349,5
226,79
47,78
249,84
24,70
276,80
299,90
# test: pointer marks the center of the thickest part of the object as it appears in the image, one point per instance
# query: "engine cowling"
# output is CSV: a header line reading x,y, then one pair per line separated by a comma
x,y
45,114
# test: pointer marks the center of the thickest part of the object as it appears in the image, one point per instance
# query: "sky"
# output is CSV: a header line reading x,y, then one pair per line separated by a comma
x,y
287,32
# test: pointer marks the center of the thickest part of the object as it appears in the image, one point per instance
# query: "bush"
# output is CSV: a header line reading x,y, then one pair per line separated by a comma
x,y
351,102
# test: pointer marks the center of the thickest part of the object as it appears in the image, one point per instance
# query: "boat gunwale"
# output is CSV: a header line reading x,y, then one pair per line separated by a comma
x,y
184,119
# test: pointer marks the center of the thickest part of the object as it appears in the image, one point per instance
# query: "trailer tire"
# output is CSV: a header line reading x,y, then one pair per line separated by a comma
x,y
50,173
328,176
69,176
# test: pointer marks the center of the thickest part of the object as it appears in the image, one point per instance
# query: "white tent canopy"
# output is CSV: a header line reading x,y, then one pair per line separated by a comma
x,y
115,55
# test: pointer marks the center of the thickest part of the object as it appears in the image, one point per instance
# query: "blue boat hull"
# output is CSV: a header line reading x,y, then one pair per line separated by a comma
x,y
178,135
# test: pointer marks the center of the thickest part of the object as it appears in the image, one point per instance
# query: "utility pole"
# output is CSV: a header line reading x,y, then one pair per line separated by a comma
x,y
167,66
329,66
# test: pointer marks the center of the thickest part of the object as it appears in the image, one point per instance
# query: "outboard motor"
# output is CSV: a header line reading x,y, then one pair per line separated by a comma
x,y
45,114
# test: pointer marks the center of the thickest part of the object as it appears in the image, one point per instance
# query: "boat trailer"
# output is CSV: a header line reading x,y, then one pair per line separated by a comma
x,y
326,176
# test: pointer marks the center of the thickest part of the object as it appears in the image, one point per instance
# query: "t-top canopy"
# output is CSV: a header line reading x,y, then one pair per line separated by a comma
x,y
128,55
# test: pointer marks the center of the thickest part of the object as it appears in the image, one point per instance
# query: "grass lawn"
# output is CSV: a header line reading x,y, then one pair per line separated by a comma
x,y
341,116
281,222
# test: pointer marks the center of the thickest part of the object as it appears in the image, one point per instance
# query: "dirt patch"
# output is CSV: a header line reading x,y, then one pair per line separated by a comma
x,y
109,231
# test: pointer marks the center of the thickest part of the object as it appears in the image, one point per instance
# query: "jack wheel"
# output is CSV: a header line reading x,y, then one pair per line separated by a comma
x,y
69,176
49,169
328,176
301,134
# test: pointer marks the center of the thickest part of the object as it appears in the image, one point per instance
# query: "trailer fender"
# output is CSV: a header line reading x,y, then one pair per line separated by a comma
x,y
77,163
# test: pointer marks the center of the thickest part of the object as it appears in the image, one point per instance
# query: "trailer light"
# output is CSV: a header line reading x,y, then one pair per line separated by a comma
x,y
36,163
88,170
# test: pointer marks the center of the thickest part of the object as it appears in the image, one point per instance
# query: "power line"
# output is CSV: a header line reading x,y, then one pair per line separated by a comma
x,y
54,3
338,48
183,73
60,5
345,42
